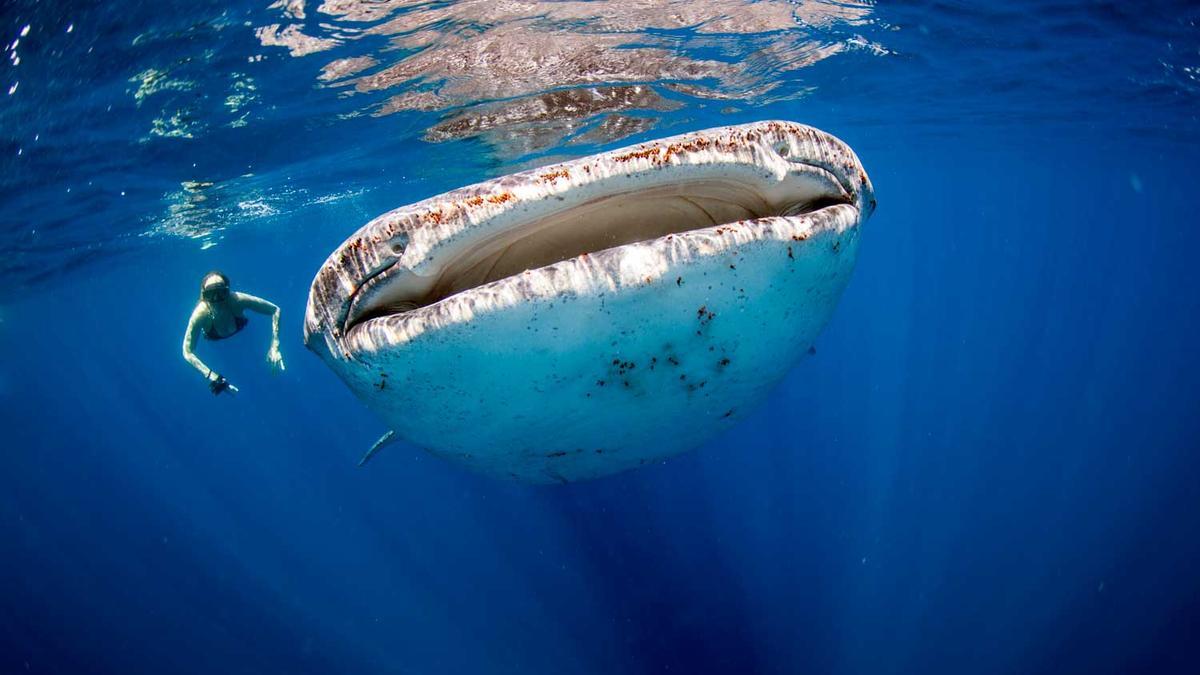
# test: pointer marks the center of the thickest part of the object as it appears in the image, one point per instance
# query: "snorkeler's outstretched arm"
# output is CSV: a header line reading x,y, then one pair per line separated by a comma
x,y
189,343
215,382
257,304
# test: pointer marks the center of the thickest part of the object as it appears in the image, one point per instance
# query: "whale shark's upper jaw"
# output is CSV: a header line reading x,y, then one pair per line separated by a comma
x,y
408,261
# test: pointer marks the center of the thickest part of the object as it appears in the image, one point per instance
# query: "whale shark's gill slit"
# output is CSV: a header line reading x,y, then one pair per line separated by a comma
x,y
595,225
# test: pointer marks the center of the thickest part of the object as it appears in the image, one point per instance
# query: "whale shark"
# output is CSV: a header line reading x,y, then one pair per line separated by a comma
x,y
584,318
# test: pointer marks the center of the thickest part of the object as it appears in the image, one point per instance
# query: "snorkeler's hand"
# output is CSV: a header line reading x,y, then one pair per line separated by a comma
x,y
218,384
276,359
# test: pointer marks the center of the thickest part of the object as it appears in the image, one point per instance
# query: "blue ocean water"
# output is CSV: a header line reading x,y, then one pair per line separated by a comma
x,y
989,465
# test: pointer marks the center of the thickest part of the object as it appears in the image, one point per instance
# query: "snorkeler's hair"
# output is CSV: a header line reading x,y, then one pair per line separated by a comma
x,y
214,273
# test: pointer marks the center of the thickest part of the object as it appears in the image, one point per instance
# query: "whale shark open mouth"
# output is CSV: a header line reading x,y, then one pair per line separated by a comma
x,y
412,259
600,223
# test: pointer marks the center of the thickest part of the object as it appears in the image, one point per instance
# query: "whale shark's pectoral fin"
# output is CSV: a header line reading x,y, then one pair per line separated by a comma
x,y
385,439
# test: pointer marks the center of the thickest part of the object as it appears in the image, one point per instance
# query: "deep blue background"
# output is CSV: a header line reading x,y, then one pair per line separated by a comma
x,y
989,466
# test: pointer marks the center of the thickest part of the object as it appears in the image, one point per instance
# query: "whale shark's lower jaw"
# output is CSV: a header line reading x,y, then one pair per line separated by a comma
x,y
588,317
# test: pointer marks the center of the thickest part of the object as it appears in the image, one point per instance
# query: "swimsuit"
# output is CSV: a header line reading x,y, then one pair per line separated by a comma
x,y
238,321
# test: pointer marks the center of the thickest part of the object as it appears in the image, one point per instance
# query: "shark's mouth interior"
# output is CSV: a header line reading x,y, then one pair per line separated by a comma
x,y
598,224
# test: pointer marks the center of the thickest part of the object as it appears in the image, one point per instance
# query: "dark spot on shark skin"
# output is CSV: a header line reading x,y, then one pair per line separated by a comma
x,y
723,362
812,350
678,281
727,413
837,245
599,383
557,453
790,256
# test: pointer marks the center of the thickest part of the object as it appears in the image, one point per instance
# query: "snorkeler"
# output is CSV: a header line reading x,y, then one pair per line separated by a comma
x,y
219,314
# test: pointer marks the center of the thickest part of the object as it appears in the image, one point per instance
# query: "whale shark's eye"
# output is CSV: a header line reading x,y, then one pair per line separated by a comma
x,y
783,149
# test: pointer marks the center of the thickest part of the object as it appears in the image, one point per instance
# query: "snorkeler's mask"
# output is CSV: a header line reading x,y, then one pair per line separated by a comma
x,y
216,290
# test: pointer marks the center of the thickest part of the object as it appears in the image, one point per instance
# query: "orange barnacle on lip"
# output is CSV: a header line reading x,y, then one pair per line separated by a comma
x,y
554,175
640,154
